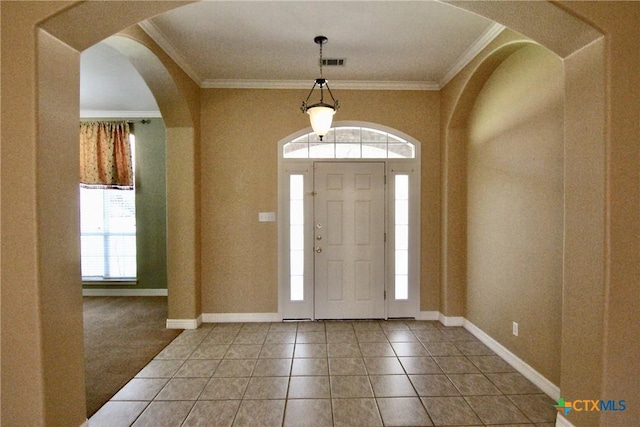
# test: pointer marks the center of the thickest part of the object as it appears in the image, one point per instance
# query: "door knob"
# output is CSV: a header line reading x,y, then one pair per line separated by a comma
x,y
318,237
318,249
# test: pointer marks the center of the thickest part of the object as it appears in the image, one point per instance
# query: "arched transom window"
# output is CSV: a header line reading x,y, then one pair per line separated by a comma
x,y
350,142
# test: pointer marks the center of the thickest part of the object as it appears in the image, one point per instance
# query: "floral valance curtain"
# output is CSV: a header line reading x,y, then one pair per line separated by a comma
x,y
105,155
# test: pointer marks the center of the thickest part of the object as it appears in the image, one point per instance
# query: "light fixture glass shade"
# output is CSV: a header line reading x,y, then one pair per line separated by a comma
x,y
321,118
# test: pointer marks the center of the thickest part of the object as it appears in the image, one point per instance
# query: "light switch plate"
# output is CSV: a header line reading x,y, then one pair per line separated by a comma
x,y
266,216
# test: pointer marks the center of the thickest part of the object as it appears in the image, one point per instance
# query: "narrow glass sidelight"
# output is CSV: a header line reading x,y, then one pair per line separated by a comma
x,y
401,246
296,236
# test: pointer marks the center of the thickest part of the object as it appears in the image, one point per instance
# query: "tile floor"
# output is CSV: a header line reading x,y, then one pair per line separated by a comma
x,y
361,373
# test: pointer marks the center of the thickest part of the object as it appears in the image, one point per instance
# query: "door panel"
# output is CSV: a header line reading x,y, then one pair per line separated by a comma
x,y
349,218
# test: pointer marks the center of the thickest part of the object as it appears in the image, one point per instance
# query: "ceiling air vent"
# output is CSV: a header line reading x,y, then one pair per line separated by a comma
x,y
333,62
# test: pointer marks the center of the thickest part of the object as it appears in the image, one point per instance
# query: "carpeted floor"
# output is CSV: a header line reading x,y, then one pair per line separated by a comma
x,y
121,335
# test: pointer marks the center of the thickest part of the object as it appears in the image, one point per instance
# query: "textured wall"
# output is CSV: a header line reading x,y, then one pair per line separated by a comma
x,y
515,207
240,132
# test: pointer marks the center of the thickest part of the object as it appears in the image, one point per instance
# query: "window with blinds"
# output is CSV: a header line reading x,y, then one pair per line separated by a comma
x,y
108,233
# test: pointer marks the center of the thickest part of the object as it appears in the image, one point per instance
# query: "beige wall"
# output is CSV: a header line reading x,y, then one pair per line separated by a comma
x,y
240,132
515,207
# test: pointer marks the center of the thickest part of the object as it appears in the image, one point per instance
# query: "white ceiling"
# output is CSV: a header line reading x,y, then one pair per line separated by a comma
x,y
386,44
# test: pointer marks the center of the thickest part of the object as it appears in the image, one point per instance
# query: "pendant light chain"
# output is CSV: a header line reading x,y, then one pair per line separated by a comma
x,y
321,60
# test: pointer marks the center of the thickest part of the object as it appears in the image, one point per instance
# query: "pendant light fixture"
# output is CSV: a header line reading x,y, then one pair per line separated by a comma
x,y
320,113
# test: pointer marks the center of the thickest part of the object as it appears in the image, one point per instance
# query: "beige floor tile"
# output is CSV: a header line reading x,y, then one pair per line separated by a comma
x,y
310,367
392,386
393,325
341,349
496,410
280,338
141,389
309,388
537,407
356,412
250,337
310,350
235,368
403,411
474,348
272,368
433,385
513,383
219,338
376,349
341,336
164,414
473,384
429,335
267,388
182,389
346,366
255,327
346,386
441,348
308,413
383,366
412,349
339,326
243,351
311,337
224,388
212,351
198,368
256,413
456,365
401,336
212,413
420,365
371,336
338,373
277,351
450,411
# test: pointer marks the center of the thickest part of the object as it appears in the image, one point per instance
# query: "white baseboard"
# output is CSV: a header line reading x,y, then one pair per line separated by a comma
x,y
124,293
550,389
428,315
451,321
240,317
561,421
184,323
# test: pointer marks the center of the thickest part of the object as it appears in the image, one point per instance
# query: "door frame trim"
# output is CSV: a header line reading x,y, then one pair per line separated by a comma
x,y
293,166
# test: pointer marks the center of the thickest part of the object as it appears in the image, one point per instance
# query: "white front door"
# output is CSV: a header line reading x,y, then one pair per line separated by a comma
x,y
349,240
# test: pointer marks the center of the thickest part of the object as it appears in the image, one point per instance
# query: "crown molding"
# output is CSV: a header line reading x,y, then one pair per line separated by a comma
x,y
306,84
463,60
164,43
111,114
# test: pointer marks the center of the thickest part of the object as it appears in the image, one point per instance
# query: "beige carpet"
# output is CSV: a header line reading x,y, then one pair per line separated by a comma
x,y
121,335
